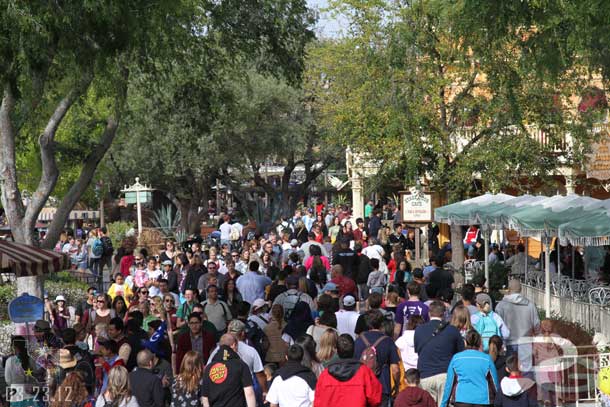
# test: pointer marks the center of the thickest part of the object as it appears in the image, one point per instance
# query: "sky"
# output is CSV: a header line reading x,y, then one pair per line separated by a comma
x,y
327,26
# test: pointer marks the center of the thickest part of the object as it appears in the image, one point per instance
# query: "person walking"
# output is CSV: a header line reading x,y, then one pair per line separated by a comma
x,y
471,376
386,354
294,384
227,381
146,386
519,314
347,382
435,344
118,392
186,388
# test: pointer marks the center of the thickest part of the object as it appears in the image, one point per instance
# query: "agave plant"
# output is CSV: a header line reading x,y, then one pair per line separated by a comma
x,y
166,220
181,236
340,200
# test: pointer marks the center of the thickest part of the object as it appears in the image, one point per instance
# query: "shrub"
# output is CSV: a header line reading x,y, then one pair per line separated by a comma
x,y
118,231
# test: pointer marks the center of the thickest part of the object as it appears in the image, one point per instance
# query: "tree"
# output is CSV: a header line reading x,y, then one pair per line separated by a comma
x,y
405,87
180,127
273,123
56,56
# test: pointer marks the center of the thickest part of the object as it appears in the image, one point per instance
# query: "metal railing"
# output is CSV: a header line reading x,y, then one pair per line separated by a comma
x,y
577,379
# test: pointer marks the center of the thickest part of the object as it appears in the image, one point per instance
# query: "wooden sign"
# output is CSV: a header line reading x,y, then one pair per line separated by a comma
x,y
416,207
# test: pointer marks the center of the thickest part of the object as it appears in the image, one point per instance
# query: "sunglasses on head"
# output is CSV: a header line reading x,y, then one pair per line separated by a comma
x,y
143,292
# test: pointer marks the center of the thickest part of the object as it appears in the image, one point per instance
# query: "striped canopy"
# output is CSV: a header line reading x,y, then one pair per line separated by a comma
x,y
25,260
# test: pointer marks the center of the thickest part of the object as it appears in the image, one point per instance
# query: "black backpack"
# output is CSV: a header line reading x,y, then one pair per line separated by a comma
x,y
257,338
108,250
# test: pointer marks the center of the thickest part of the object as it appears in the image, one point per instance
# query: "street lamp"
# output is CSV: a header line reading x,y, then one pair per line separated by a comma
x,y
138,194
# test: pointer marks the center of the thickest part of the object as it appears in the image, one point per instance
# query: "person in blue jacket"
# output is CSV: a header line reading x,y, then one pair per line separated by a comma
x,y
472,379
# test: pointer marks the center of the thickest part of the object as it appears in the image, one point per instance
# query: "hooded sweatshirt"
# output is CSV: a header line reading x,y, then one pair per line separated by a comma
x,y
414,397
519,314
347,382
292,368
516,392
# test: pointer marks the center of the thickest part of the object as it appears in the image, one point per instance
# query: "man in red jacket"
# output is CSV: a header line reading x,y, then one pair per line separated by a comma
x,y
194,339
347,382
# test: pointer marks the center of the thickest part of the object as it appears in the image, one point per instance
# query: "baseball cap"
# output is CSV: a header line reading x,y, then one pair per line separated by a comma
x,y
349,301
378,290
167,263
258,303
236,326
294,243
483,299
60,298
330,287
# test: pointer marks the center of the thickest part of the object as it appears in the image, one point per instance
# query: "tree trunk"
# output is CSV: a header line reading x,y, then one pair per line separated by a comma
x,y
457,246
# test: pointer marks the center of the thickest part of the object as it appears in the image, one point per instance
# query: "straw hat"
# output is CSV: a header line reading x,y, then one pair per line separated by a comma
x,y
66,359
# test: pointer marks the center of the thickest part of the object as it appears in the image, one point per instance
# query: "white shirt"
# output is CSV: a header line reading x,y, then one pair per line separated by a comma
x,y
247,354
225,231
373,252
346,322
294,392
153,276
406,345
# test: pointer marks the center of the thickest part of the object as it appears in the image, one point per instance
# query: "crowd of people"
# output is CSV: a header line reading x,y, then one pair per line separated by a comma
x,y
311,311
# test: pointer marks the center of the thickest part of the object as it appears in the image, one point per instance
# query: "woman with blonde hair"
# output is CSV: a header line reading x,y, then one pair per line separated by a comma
x,y
118,393
72,392
328,347
156,308
187,386
460,318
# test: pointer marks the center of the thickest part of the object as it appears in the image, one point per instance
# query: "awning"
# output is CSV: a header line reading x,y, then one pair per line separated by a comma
x,y
25,260
47,214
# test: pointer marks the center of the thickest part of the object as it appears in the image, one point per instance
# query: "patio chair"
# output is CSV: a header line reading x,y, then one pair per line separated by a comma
x,y
600,296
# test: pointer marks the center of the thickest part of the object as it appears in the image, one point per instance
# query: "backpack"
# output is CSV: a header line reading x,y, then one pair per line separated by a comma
x,y
257,337
98,248
224,309
107,245
234,235
487,327
289,304
369,355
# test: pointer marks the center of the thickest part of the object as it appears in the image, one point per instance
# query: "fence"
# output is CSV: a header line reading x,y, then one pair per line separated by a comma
x,y
592,317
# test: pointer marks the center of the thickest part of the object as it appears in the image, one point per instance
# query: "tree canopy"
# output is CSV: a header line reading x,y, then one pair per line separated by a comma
x,y
406,85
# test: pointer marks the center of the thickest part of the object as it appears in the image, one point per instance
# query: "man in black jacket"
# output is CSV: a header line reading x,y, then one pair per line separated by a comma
x,y
362,275
145,385
346,257
227,381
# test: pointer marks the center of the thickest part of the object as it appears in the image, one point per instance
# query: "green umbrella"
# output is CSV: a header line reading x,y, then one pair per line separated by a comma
x,y
496,215
547,215
591,229
460,213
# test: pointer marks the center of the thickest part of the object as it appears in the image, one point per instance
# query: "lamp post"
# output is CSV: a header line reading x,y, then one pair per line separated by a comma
x,y
133,194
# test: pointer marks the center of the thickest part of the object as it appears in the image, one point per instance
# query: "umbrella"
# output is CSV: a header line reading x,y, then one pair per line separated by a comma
x,y
460,213
591,229
25,260
496,215
546,215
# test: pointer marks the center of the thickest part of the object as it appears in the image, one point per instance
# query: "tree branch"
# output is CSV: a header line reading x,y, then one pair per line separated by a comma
x,y
78,188
11,197
50,172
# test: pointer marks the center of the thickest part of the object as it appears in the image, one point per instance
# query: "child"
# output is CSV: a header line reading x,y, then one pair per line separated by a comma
x,y
376,277
516,390
413,396
269,369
